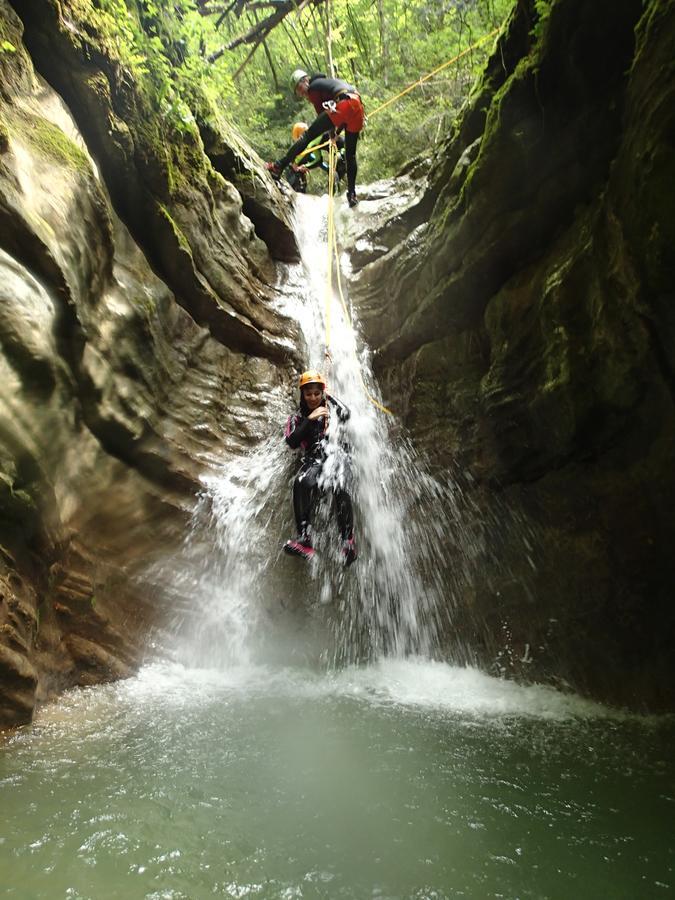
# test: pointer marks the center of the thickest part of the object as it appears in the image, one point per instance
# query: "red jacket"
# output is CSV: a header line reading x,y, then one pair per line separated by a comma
x,y
323,89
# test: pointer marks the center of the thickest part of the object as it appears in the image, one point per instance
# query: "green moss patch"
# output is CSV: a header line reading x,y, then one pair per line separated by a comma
x,y
48,140
180,237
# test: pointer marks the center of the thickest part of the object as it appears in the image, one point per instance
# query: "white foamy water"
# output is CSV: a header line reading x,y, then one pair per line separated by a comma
x,y
399,779
413,682
215,580
390,601
231,580
403,684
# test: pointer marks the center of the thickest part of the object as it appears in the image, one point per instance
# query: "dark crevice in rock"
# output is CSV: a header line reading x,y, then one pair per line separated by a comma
x,y
276,231
662,348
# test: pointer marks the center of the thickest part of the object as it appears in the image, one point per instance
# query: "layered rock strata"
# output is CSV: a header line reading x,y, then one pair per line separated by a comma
x,y
137,336
519,300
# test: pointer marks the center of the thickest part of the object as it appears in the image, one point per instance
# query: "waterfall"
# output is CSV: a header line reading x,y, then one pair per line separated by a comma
x,y
389,601
227,554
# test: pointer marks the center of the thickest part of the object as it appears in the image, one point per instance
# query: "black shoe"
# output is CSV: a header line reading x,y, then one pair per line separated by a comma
x,y
274,169
352,198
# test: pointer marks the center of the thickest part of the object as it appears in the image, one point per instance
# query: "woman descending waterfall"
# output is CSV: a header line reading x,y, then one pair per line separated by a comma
x,y
324,468
246,608
396,599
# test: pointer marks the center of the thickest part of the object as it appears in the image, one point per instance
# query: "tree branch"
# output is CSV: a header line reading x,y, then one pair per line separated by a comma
x,y
259,30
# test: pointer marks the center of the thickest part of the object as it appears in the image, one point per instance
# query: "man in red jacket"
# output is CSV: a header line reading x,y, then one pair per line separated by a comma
x,y
338,106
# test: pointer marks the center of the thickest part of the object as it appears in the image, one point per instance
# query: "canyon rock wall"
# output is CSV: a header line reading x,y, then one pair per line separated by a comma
x,y
522,306
518,297
137,339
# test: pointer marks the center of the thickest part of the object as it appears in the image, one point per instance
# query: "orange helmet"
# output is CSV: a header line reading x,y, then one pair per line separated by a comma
x,y
298,129
312,377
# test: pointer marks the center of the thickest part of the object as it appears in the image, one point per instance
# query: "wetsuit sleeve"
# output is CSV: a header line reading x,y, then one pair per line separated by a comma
x,y
342,411
296,431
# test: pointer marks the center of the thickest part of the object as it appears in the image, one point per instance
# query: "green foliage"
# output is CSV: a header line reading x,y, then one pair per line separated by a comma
x,y
543,10
379,45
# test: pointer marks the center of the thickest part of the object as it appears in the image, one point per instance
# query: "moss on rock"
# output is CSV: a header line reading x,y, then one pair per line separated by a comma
x,y
49,140
552,247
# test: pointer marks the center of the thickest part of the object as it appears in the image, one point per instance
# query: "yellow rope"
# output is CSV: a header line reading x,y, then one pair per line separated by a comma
x,y
331,232
333,249
311,149
349,322
435,71
332,236
411,87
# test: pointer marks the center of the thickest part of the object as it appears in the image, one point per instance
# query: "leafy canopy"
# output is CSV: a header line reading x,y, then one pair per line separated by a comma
x,y
179,52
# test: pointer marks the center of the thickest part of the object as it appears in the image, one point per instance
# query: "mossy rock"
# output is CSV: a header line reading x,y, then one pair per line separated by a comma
x,y
48,140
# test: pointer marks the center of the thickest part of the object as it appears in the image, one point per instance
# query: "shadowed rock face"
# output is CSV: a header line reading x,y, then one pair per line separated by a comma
x,y
137,342
525,327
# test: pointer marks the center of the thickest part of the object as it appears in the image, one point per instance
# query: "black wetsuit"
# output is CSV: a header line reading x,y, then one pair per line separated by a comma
x,y
310,436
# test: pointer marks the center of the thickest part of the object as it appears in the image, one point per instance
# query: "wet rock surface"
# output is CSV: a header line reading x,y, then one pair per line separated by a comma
x,y
525,334
137,336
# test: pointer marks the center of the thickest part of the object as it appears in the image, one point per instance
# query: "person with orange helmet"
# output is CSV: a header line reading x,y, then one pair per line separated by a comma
x,y
312,158
297,174
308,430
339,107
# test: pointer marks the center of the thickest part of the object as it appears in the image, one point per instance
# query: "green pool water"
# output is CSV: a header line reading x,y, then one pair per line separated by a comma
x,y
401,780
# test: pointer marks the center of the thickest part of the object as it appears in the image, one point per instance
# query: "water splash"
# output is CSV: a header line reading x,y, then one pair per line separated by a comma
x,y
390,602
226,555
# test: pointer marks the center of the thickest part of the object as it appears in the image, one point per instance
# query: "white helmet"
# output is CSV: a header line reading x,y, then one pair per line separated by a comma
x,y
297,77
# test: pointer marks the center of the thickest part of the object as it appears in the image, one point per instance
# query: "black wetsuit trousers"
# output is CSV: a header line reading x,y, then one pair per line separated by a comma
x,y
319,126
305,491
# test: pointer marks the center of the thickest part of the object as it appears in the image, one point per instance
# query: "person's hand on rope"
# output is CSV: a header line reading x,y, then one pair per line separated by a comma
x,y
319,413
302,170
